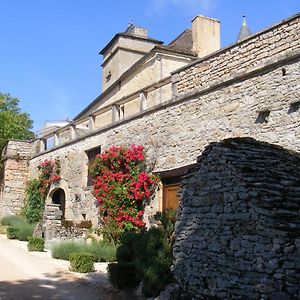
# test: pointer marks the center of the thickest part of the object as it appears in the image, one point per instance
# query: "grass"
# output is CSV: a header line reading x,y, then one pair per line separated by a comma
x,y
101,251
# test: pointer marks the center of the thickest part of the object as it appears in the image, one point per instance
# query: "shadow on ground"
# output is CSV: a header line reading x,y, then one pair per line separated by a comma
x,y
94,286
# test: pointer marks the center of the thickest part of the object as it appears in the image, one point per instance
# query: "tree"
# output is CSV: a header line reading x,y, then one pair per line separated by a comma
x,y
14,124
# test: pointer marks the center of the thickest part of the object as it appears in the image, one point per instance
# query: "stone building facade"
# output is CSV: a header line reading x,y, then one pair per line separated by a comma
x,y
175,102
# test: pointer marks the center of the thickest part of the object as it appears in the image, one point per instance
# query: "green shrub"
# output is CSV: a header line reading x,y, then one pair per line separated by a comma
x,y
146,257
18,228
123,275
24,230
63,250
11,220
35,244
82,262
11,232
154,262
100,250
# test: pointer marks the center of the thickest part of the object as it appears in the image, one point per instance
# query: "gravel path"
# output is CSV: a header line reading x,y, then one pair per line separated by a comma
x,y
33,275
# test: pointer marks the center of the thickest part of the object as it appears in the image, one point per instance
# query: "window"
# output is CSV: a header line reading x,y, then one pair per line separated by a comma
x,y
91,155
108,76
118,112
294,107
263,117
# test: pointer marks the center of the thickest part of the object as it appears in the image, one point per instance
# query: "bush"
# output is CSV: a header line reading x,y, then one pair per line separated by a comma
x,y
123,275
20,231
24,230
63,250
35,244
146,257
122,187
82,262
100,250
11,220
11,232
154,262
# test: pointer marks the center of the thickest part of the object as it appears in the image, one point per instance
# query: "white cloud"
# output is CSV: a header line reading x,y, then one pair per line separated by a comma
x,y
186,6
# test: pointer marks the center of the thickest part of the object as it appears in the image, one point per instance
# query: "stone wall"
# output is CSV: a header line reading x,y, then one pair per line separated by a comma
x,y
16,156
247,56
238,230
175,133
52,228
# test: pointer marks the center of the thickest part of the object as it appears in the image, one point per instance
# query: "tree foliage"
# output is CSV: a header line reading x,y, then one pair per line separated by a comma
x,y
14,124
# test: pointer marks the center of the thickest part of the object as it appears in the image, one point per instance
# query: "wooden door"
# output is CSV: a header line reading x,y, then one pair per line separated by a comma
x,y
170,196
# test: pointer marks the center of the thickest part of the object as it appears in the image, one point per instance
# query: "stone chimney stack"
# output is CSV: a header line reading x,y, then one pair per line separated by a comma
x,y
206,35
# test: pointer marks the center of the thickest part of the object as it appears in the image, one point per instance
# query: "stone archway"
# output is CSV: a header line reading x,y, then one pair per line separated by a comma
x,y
59,198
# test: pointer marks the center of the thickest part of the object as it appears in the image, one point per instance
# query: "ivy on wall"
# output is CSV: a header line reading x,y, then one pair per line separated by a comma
x,y
38,189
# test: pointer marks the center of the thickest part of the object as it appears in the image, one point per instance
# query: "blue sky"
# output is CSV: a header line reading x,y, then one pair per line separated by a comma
x,y
49,48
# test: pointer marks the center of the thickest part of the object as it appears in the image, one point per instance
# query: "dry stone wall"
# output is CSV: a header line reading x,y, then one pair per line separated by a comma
x,y
16,157
238,230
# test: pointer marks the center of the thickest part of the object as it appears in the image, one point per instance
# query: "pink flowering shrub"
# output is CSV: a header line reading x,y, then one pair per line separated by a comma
x,y
122,188
49,172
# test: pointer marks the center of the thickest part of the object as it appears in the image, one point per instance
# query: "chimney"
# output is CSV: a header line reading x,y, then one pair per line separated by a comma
x,y
137,31
206,35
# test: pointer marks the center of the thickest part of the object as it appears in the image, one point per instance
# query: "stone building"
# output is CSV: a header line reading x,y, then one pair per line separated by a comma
x,y
174,99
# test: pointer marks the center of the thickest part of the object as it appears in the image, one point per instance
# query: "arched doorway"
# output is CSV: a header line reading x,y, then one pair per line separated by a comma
x,y
59,197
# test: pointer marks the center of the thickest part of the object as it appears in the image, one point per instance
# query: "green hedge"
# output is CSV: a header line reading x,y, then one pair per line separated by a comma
x,y
82,262
36,244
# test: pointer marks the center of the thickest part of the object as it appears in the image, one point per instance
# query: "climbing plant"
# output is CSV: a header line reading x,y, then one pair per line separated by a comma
x,y
122,187
37,189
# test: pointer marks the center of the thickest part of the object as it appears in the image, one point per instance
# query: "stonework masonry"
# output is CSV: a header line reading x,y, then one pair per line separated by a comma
x,y
260,50
237,234
175,132
16,161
